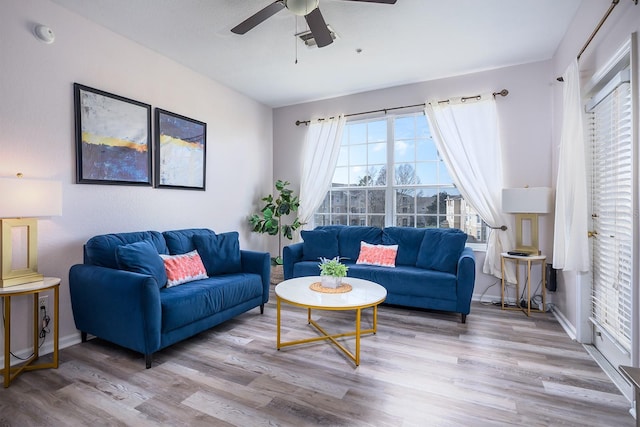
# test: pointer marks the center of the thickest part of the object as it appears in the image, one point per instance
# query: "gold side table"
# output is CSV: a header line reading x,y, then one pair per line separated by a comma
x,y
528,260
34,288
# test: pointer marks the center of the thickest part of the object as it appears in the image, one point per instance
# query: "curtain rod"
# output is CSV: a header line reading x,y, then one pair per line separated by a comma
x,y
503,92
613,4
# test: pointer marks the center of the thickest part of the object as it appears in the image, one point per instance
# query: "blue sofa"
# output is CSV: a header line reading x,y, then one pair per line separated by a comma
x,y
433,268
119,293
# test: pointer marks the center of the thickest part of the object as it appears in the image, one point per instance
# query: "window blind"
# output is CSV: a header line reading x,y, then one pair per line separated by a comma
x,y
610,118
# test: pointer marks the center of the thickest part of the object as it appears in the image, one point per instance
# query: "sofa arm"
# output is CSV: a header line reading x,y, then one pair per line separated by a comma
x,y
258,263
466,280
290,255
119,306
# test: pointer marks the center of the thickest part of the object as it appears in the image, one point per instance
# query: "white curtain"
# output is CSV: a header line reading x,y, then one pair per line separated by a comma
x,y
570,242
467,137
320,155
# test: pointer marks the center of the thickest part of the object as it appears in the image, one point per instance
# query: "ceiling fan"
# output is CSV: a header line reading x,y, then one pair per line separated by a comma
x,y
307,8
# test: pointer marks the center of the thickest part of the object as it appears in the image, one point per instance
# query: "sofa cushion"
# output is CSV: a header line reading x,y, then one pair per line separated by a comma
x,y
381,255
220,253
349,240
407,280
188,303
319,244
181,241
408,240
441,249
142,257
183,268
101,250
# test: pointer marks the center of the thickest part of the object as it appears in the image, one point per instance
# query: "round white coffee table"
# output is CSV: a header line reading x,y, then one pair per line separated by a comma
x,y
363,294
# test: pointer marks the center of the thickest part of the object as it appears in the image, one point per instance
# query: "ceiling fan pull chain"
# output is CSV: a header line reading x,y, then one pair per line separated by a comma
x,y
295,38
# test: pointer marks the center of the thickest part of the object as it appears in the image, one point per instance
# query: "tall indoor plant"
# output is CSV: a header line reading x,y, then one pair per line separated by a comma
x,y
275,217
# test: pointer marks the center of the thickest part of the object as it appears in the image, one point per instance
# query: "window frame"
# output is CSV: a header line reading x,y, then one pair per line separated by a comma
x,y
391,188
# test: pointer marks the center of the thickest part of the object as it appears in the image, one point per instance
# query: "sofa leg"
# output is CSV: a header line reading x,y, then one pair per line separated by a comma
x,y
83,336
147,360
464,318
261,308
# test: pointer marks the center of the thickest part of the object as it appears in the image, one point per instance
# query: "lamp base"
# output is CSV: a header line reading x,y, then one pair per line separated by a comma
x,y
14,281
24,268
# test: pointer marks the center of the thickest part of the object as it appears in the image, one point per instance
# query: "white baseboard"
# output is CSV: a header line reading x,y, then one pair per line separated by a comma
x,y
566,325
47,348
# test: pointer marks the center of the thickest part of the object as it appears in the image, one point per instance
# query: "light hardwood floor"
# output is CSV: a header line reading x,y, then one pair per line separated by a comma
x,y
421,369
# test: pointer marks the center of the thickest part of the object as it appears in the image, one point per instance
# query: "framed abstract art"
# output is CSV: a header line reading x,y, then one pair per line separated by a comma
x,y
181,145
113,138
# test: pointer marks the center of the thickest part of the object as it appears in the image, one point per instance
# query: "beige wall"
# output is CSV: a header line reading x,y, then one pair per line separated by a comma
x,y
37,139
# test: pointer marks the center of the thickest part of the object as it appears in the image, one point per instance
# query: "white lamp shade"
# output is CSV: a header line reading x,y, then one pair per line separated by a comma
x,y
28,198
526,200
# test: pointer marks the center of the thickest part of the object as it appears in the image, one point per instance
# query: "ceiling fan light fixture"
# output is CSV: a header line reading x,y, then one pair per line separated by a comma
x,y
301,7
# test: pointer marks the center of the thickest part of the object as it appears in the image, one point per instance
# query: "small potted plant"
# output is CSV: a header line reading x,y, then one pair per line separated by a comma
x,y
277,218
332,271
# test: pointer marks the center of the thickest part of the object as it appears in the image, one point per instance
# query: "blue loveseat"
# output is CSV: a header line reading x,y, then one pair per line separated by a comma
x,y
433,268
119,293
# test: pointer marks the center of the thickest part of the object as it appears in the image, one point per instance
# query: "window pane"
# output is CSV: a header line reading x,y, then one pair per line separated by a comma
x,y
426,150
341,177
358,201
377,201
358,175
405,221
357,133
378,131
358,154
376,221
404,151
445,178
422,127
427,173
338,201
357,220
404,128
339,220
405,174
377,153
405,201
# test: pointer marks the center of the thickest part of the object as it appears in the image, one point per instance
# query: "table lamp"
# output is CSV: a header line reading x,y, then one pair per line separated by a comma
x,y
527,203
22,201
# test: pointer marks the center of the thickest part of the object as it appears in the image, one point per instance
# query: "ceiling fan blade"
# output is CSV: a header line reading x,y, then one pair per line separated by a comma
x,y
376,1
258,17
318,28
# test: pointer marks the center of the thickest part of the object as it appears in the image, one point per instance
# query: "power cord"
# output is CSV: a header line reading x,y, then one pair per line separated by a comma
x,y
44,330
485,291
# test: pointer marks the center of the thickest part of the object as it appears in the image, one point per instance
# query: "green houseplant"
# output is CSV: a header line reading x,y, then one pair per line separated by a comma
x,y
271,219
332,271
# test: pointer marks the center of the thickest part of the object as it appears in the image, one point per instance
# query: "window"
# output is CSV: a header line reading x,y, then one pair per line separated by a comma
x,y
612,187
389,173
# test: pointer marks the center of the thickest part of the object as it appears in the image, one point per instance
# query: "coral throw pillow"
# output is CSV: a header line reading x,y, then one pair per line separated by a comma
x,y
183,268
382,255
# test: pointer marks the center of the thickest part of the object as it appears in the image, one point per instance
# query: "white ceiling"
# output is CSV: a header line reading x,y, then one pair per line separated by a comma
x,y
411,41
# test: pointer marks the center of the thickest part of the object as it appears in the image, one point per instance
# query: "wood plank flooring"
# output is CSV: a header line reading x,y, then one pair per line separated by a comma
x,y
421,369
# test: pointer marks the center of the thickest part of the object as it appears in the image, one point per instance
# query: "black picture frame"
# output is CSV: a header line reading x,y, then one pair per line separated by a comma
x,y
180,151
113,138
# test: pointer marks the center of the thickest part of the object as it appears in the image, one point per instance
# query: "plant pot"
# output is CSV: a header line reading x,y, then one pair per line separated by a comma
x,y
331,281
277,274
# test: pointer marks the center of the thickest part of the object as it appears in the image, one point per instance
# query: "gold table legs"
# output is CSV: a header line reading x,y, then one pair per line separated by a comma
x,y
331,337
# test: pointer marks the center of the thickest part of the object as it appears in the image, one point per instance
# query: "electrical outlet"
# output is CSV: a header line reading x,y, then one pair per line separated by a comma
x,y
43,301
